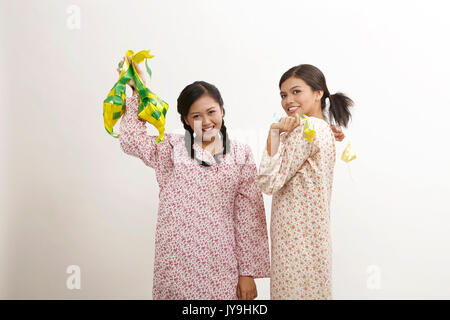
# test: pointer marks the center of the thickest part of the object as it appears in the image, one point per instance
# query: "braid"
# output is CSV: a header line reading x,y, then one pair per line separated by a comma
x,y
225,138
189,140
189,143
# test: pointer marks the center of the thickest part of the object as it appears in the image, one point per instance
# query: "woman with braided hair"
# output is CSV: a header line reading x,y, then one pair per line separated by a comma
x,y
211,235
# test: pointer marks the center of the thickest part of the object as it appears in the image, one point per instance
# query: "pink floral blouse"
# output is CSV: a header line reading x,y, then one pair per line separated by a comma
x,y
211,225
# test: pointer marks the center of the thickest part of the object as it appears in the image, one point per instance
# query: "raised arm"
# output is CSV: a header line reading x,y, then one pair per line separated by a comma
x,y
133,135
277,169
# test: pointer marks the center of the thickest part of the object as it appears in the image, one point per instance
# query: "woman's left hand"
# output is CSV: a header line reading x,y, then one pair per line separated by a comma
x,y
246,289
338,134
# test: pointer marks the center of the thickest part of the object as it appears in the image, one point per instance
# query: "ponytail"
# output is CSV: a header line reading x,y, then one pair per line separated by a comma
x,y
339,112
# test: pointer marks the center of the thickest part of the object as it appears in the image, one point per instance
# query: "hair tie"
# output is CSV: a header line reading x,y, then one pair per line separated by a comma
x,y
326,110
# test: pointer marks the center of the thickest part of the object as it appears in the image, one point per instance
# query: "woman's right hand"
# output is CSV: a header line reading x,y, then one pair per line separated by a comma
x,y
286,124
137,67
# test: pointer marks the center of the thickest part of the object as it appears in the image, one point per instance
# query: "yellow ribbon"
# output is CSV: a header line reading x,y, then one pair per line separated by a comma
x,y
151,107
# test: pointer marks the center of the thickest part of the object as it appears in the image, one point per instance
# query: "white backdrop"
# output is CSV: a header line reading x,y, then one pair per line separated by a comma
x,y
70,196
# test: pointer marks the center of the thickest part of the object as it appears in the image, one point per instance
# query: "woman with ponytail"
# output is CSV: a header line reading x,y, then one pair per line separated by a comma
x,y
211,235
299,175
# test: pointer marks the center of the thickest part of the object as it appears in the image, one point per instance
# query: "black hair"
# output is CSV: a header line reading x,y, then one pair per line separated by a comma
x,y
187,97
339,103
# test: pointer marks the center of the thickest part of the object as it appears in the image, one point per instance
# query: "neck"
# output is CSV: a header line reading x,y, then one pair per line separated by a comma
x,y
317,113
207,143
214,146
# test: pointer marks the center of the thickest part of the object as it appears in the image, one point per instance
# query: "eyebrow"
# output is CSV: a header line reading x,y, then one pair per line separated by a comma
x,y
206,110
292,88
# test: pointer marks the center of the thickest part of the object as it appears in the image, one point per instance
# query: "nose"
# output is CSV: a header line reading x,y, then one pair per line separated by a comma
x,y
207,121
289,99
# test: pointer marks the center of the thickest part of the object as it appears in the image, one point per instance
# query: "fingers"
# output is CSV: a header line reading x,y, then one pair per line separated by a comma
x,y
297,118
339,137
290,123
128,60
275,125
120,65
119,70
337,131
287,124
251,295
296,122
246,294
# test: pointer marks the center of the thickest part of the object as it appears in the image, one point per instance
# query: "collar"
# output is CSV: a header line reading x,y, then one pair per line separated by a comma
x,y
205,158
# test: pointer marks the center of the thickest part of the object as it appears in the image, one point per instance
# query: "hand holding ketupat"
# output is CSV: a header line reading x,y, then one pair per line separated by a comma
x,y
288,124
138,69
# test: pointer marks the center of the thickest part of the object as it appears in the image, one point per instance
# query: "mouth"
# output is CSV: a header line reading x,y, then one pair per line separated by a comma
x,y
208,129
292,109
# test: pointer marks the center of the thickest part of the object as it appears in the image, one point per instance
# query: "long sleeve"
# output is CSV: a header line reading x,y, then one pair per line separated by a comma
x,y
252,246
134,139
293,151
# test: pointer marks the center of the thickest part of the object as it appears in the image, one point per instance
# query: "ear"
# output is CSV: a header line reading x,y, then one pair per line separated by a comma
x,y
319,95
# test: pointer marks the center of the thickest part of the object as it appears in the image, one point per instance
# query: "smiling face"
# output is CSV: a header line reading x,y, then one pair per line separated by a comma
x,y
297,97
205,117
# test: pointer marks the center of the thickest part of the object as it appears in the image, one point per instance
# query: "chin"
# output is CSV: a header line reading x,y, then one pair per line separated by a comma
x,y
209,137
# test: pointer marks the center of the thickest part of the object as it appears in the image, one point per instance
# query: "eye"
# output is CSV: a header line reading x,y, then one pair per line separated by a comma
x,y
296,91
195,117
212,111
283,96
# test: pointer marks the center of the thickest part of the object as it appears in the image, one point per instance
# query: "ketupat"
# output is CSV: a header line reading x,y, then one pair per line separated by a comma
x,y
151,107
348,154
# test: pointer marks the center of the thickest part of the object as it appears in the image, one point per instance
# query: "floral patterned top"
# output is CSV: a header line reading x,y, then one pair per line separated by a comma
x,y
300,178
211,225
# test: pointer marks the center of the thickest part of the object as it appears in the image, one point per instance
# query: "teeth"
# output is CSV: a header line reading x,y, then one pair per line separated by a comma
x,y
209,129
292,108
